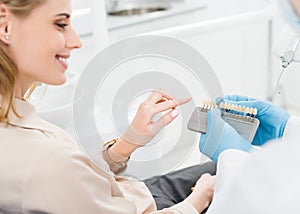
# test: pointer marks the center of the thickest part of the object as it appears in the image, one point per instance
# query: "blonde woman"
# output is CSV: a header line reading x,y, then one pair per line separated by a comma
x,y
42,168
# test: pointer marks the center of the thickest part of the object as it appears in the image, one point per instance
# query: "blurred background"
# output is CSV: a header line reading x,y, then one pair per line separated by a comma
x,y
237,37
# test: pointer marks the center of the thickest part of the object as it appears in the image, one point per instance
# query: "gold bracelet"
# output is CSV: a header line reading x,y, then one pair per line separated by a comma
x,y
116,167
111,142
107,146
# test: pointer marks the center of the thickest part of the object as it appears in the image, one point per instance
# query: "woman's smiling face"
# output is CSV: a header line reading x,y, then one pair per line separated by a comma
x,y
41,43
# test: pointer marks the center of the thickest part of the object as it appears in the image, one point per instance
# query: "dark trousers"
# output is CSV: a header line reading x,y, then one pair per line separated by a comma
x,y
174,187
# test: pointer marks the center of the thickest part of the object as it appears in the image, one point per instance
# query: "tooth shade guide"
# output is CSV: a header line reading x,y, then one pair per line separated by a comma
x,y
241,118
230,108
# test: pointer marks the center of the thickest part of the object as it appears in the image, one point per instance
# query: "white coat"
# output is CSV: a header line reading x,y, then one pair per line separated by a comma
x,y
266,181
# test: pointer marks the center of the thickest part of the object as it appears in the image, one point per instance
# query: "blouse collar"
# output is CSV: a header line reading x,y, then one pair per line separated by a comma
x,y
29,116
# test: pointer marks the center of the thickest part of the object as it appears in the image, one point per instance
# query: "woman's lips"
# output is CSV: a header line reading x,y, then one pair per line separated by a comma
x,y
63,61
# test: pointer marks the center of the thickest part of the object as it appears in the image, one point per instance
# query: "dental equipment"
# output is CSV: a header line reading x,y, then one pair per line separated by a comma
x,y
287,49
241,118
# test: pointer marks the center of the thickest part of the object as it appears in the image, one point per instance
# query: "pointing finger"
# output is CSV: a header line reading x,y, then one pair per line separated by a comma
x,y
163,106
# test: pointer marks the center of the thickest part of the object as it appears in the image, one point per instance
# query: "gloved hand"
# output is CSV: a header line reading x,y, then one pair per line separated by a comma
x,y
143,128
273,119
220,136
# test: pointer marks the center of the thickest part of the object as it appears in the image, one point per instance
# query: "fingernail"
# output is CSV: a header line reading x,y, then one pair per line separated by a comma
x,y
174,113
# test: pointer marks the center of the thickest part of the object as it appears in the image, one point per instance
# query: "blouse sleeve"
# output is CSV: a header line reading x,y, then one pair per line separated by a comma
x,y
64,181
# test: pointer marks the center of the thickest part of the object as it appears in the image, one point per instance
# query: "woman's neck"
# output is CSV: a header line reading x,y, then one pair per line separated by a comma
x,y
22,87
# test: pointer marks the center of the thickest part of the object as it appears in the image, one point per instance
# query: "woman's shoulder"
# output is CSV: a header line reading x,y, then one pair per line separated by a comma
x,y
33,143
18,134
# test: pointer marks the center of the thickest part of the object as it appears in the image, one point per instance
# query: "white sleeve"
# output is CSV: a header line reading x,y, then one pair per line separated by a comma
x,y
229,164
292,128
266,181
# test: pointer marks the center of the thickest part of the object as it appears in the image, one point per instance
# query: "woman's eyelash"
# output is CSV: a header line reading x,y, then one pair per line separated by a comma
x,y
61,25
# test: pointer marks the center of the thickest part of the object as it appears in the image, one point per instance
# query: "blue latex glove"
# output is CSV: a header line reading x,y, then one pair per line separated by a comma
x,y
220,136
273,119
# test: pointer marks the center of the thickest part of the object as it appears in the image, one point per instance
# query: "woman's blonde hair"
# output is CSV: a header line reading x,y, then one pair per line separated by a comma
x,y
8,68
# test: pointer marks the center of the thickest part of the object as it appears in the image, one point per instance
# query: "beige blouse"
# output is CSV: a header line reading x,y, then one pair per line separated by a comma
x,y
43,170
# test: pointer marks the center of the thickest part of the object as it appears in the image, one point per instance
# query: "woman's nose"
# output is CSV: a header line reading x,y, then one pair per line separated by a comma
x,y
73,41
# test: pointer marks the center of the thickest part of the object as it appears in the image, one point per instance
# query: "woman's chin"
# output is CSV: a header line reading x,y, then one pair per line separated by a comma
x,y
58,81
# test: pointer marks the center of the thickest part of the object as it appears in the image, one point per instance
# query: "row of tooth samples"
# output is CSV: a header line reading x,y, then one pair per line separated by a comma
x,y
209,104
238,109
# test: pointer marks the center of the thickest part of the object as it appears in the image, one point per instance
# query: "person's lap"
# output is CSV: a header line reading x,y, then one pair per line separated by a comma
x,y
174,187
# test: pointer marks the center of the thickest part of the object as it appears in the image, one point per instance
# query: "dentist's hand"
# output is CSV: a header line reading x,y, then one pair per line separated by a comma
x,y
220,136
143,129
273,119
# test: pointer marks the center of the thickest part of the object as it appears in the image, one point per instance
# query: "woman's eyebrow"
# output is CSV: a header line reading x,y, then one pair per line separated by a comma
x,y
63,14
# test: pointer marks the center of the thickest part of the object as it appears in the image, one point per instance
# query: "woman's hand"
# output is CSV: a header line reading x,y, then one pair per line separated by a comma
x,y
202,192
143,129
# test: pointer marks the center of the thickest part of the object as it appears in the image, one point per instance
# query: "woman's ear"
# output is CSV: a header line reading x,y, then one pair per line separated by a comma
x,y
4,24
